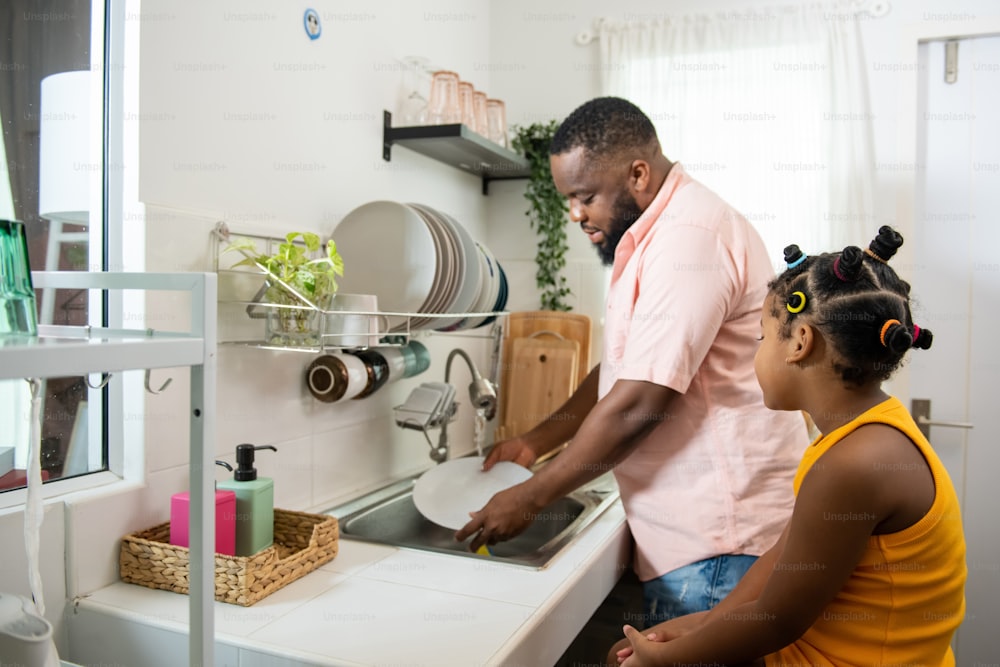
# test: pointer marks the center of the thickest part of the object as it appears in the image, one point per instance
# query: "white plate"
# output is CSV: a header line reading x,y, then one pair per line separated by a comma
x,y
446,493
446,286
471,275
388,251
490,290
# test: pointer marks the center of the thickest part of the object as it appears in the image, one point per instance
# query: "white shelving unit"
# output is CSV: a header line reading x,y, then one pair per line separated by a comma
x,y
60,351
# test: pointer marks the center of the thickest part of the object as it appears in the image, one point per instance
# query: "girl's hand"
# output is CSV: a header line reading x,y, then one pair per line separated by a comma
x,y
624,653
640,650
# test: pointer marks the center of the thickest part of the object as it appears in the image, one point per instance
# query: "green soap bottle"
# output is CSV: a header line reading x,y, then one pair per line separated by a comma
x,y
254,502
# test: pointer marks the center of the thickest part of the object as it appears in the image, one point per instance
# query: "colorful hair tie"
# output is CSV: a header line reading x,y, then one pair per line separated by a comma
x,y
916,332
885,328
800,302
836,271
870,253
793,264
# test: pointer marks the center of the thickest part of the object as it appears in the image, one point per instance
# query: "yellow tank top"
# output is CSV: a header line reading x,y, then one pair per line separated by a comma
x,y
906,597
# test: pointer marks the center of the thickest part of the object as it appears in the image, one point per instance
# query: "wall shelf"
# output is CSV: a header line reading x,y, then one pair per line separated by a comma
x,y
456,145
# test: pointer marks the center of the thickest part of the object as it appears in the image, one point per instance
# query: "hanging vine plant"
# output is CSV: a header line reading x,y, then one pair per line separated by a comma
x,y
547,214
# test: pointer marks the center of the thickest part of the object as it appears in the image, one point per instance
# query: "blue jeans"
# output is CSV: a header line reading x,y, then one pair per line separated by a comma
x,y
695,587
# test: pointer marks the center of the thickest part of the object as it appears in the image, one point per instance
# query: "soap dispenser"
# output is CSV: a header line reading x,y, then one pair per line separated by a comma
x,y
254,502
225,519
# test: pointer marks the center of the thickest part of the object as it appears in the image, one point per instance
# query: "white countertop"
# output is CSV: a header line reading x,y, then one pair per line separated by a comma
x,y
380,605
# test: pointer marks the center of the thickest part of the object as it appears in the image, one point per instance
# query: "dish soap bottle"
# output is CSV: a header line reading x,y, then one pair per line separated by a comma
x,y
254,502
225,518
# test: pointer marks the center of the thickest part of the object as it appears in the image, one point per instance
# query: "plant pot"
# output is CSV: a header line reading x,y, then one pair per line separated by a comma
x,y
290,321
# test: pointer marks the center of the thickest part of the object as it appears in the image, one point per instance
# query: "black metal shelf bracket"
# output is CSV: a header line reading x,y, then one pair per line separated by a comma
x,y
386,136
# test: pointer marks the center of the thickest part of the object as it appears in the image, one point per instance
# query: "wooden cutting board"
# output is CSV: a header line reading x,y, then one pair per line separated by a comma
x,y
540,373
571,326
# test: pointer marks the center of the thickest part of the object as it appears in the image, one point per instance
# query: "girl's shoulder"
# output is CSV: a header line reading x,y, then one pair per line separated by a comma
x,y
882,463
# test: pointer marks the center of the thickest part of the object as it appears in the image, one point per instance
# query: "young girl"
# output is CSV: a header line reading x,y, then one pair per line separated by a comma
x,y
870,569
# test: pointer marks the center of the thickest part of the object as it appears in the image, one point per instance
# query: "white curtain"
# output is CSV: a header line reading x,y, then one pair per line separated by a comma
x,y
768,109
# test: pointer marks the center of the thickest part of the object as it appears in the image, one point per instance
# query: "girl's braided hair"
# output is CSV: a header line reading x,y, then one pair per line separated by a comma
x,y
858,304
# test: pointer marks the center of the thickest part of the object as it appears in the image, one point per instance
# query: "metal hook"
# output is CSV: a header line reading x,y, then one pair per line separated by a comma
x,y
35,386
155,391
105,377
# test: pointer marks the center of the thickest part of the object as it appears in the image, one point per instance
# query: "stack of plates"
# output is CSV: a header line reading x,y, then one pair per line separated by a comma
x,y
420,261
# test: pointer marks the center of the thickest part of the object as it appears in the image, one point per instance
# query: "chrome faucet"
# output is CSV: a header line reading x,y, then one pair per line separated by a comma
x,y
482,394
431,406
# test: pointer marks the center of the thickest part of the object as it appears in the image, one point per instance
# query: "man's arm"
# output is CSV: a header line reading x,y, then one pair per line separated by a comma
x,y
611,429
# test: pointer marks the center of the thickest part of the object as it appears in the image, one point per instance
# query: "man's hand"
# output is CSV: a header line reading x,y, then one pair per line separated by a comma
x,y
506,515
515,450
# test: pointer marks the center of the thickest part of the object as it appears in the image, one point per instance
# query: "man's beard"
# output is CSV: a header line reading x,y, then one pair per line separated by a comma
x,y
623,215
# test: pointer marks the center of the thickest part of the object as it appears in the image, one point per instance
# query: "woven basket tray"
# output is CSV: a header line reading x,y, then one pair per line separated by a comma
x,y
302,542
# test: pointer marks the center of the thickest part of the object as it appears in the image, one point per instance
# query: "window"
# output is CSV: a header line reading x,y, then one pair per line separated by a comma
x,y
758,141
54,179
769,109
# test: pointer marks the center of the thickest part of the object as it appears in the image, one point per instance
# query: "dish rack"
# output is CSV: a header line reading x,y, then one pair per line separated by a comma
x,y
241,311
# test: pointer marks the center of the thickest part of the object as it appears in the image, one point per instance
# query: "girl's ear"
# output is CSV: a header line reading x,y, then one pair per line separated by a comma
x,y
801,343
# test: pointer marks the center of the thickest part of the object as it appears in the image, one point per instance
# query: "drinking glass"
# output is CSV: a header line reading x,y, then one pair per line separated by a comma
x,y
465,91
479,112
496,119
414,92
443,107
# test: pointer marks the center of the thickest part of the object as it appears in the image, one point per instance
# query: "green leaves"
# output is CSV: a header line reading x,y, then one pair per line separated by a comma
x,y
292,263
546,214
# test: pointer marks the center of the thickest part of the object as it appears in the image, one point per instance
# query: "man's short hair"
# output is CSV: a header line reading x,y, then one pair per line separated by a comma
x,y
605,126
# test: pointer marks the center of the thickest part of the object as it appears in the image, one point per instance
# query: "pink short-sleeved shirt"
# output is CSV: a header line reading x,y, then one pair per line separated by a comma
x,y
683,311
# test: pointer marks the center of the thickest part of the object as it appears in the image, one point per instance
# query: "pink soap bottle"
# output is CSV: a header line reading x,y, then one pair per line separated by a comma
x,y
225,519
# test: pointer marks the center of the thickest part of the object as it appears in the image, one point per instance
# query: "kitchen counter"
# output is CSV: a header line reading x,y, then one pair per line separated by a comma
x,y
374,605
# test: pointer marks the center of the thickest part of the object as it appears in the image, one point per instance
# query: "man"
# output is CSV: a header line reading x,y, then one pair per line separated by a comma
x,y
704,468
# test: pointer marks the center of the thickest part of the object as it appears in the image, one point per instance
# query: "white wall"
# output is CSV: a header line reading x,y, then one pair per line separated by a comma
x,y
243,118
254,123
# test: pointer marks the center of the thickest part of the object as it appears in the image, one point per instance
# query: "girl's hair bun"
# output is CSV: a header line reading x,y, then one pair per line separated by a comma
x,y
886,243
922,338
897,338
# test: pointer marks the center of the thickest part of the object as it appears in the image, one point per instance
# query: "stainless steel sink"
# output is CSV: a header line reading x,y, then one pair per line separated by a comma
x,y
388,516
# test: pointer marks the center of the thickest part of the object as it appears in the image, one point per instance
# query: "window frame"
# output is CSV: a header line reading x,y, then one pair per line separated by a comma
x,y
109,248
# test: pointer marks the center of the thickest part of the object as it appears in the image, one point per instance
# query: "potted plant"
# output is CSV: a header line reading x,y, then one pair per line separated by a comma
x,y
547,214
299,285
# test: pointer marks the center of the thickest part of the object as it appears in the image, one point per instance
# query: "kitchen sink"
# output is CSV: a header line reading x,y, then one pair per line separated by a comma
x,y
388,516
